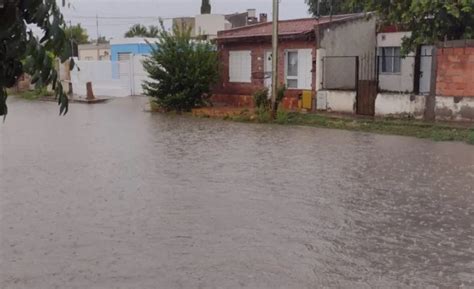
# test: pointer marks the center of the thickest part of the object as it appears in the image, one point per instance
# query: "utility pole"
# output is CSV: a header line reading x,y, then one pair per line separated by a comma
x,y
275,57
72,40
318,9
97,41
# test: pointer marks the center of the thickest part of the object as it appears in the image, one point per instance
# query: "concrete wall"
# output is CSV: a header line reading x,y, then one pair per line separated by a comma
x,y
398,82
91,54
349,38
341,101
454,108
399,105
209,24
135,46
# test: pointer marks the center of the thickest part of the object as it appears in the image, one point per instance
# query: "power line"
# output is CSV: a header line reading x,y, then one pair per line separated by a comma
x,y
120,17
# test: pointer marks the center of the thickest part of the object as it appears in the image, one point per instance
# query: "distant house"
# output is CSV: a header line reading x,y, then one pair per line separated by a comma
x,y
94,52
123,49
246,56
410,73
207,25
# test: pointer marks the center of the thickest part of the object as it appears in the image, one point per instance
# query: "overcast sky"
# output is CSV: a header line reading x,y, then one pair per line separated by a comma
x,y
84,12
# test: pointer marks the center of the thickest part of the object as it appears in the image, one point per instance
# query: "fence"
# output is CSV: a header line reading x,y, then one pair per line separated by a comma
x,y
109,78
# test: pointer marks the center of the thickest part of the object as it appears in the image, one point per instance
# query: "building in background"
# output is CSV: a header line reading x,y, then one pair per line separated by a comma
x,y
92,52
207,25
245,55
122,49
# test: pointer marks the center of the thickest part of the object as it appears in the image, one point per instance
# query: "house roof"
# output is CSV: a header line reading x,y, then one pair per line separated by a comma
x,y
133,40
286,27
94,46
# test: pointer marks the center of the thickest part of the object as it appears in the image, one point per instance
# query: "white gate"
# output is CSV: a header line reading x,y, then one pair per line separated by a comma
x,y
110,78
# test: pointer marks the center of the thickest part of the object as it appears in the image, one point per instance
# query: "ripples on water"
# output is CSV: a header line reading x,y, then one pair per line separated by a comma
x,y
112,197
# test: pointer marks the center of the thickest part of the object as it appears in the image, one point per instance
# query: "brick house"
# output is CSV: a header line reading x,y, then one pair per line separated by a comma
x,y
245,59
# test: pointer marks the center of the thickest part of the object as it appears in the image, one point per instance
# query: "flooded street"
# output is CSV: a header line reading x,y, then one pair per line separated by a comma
x,y
113,197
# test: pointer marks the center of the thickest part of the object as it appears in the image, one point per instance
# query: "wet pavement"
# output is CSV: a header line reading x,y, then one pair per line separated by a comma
x,y
113,197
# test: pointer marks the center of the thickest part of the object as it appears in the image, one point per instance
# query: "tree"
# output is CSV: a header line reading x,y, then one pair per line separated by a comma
x,y
139,30
205,7
182,69
21,51
77,34
100,40
338,7
430,21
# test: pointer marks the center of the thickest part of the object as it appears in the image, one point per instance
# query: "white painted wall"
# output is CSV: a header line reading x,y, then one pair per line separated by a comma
x,y
209,24
109,78
403,81
91,54
341,101
448,109
399,105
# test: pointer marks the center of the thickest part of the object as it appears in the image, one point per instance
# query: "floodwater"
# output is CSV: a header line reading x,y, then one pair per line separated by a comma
x,y
113,197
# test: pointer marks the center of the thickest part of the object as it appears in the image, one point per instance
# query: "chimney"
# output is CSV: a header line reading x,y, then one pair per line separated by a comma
x,y
252,13
263,17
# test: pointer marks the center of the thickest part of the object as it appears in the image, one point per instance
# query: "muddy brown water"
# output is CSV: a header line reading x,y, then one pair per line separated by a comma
x,y
113,197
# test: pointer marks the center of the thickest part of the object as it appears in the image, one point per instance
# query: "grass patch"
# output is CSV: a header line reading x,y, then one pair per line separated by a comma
x,y
35,94
413,128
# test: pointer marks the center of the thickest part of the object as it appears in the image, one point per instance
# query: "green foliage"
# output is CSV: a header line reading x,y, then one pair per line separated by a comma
x,y
17,41
261,99
182,69
338,7
205,7
77,34
139,30
282,117
35,94
430,21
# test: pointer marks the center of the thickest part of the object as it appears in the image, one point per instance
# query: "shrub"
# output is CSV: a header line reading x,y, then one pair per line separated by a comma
x,y
182,69
261,100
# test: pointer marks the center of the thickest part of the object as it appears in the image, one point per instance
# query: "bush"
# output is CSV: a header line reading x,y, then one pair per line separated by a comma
x,y
261,100
182,69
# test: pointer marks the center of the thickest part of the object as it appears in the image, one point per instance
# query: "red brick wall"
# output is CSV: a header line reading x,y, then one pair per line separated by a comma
x,y
225,87
455,76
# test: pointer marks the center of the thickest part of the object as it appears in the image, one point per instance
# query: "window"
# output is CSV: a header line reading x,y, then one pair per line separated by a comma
x,y
298,69
240,66
292,69
389,59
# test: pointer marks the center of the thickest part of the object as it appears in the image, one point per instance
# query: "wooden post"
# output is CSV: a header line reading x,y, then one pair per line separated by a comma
x,y
90,93
430,104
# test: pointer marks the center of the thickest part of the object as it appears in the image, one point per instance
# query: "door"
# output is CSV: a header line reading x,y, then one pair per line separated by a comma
x,y
367,84
268,70
425,68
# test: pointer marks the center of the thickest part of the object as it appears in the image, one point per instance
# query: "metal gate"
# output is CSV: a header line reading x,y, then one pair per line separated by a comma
x,y
367,83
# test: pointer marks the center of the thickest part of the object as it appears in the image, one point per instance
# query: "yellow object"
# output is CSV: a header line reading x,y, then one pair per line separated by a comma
x,y
307,99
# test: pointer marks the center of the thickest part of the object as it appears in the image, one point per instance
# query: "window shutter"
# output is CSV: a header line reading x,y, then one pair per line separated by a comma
x,y
305,65
240,66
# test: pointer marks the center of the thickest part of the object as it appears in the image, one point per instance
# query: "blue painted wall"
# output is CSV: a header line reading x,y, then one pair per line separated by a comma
x,y
138,48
